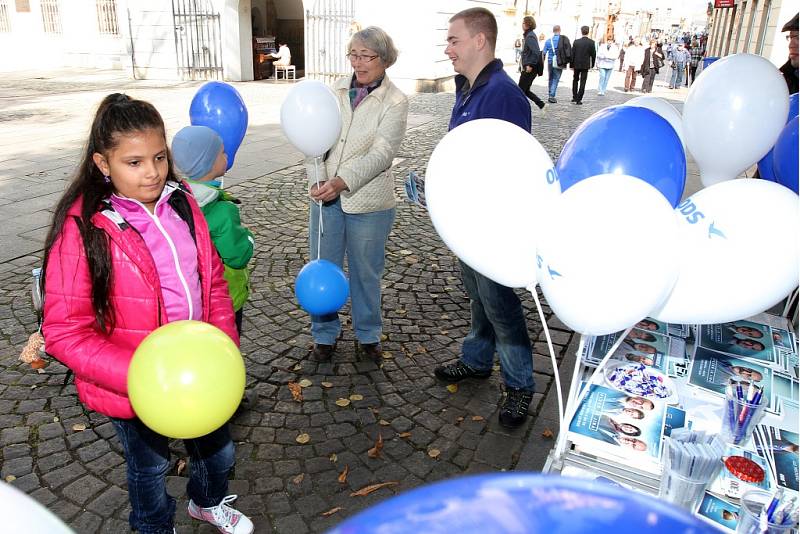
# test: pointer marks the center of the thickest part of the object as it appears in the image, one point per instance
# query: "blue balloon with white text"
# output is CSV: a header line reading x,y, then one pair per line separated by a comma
x,y
627,140
785,155
220,107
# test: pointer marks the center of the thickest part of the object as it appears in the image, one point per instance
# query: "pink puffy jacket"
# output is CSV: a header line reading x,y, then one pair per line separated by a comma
x,y
100,361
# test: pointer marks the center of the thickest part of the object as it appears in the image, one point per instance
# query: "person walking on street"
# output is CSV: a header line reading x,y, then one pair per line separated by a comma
x,y
531,60
607,54
680,58
584,54
634,56
653,61
557,54
622,49
484,90
696,52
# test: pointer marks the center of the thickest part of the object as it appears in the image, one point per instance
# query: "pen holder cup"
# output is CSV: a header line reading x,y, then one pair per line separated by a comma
x,y
681,491
752,504
739,419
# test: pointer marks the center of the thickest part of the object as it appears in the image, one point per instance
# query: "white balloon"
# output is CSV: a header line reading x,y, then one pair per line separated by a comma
x,y
606,259
738,247
733,115
486,184
22,513
664,109
310,117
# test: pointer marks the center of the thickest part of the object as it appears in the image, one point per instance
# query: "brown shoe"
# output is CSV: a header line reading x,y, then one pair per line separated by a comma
x,y
322,353
373,351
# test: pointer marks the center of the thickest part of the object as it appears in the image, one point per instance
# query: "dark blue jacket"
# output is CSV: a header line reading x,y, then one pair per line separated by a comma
x,y
494,96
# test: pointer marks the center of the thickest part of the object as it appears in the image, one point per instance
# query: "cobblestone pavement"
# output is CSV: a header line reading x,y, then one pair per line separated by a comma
x,y
428,432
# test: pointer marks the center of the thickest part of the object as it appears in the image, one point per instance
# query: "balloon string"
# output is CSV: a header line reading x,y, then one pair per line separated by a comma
x,y
553,361
319,203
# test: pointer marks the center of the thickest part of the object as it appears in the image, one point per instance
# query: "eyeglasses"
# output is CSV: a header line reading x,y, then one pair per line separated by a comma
x,y
355,58
791,37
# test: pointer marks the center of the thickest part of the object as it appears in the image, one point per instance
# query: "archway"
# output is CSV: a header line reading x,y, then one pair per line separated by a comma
x,y
281,20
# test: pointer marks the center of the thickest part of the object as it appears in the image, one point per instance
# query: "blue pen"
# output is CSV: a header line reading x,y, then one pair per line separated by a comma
x,y
772,505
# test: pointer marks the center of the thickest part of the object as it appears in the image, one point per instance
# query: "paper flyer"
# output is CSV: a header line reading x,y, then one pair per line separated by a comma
x,y
719,511
711,371
742,339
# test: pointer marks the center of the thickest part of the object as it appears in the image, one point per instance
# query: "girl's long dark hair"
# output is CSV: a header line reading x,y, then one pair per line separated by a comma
x,y
117,115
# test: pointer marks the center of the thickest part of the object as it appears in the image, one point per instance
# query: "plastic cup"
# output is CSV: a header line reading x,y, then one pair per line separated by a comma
x,y
739,419
752,504
681,491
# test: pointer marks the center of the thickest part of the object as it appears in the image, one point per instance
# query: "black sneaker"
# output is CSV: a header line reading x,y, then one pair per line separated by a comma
x,y
552,100
514,410
455,372
322,353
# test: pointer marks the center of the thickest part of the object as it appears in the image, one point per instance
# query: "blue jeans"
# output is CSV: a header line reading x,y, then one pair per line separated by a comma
x,y
147,455
677,75
362,236
554,77
498,322
605,75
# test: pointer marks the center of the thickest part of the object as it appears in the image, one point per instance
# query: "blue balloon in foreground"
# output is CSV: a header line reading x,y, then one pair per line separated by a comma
x,y
524,503
321,287
220,107
626,140
785,161
766,167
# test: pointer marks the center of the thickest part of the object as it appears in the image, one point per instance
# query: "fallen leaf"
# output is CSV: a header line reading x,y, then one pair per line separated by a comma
x,y
547,433
40,371
356,397
434,453
422,350
304,383
445,316
477,418
302,439
459,419
375,452
374,410
343,474
333,457
384,337
387,355
38,364
297,367
56,419
366,490
331,511
404,435
445,332
78,427
342,402
384,422
326,384
297,391
11,478
180,467
452,388
299,478
401,312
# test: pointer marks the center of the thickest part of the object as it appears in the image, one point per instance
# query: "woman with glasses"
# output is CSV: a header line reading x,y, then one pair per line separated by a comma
x,y
357,194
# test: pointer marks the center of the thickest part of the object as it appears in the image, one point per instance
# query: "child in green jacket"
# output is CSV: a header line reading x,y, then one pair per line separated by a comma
x,y
198,155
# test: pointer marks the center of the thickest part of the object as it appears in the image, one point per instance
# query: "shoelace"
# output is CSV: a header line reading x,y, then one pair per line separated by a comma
x,y
458,368
223,514
518,402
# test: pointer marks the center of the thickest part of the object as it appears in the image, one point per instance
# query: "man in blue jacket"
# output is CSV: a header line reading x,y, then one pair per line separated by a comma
x,y
484,90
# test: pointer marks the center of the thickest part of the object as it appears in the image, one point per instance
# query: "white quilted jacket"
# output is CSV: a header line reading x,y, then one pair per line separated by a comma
x,y
369,140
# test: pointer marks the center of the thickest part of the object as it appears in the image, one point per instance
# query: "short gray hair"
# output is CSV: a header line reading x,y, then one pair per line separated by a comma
x,y
378,41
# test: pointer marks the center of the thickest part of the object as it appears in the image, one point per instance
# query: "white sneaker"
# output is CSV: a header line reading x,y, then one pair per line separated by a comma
x,y
228,520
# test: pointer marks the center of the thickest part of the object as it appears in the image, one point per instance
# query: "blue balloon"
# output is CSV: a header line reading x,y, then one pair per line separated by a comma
x,y
626,140
766,170
220,107
321,287
785,162
521,502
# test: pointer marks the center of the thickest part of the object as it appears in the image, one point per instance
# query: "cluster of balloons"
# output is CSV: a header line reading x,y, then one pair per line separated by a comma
x,y
606,233
186,379
220,107
312,121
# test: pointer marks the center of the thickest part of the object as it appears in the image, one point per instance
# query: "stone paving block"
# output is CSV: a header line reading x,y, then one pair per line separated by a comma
x,y
84,489
27,483
291,523
18,450
18,467
48,463
108,501
63,475
87,522
44,448
497,450
9,436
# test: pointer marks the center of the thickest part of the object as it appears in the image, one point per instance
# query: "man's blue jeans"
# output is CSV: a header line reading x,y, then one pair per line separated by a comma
x,y
605,75
677,75
147,456
554,77
498,323
362,237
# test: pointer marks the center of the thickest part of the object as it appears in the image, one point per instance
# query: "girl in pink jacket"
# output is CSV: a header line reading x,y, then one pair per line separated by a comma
x,y
128,251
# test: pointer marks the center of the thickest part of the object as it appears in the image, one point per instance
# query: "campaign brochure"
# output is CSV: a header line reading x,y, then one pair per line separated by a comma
x,y
719,512
711,371
743,339
665,353
785,446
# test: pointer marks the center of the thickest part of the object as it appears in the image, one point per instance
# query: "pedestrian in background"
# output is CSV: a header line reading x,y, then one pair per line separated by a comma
x,y
696,53
789,69
497,322
531,60
607,54
584,54
653,61
634,56
557,54
680,58
357,195
622,49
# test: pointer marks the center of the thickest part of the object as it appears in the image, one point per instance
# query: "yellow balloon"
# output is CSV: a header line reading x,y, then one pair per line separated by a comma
x,y
186,379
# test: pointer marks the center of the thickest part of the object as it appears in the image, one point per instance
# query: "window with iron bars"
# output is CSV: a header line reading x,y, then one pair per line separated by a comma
x,y
107,17
51,17
5,25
